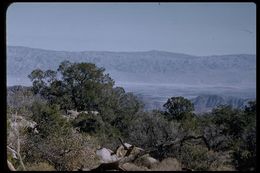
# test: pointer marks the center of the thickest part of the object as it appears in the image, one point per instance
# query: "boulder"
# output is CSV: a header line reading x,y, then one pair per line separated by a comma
x,y
106,156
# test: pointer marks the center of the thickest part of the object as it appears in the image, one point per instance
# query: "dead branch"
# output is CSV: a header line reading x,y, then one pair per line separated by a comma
x,y
128,157
196,137
125,147
182,141
18,144
10,166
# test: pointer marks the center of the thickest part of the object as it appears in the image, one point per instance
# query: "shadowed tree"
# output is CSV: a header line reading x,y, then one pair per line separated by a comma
x,y
178,108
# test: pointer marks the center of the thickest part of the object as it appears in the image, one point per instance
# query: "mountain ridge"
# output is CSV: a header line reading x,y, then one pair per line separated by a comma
x,y
152,50
205,103
147,67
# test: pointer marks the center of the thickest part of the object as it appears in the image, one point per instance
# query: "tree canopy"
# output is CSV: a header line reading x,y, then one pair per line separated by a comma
x,y
178,108
77,86
223,139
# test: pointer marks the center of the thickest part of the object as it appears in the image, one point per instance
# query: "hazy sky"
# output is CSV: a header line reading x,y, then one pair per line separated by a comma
x,y
191,28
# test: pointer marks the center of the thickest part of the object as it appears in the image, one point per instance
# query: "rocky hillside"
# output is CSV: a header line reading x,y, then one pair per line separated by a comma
x,y
206,103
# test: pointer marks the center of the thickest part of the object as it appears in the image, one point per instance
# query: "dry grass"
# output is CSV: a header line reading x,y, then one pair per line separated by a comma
x,y
133,167
145,164
145,161
222,168
42,166
168,164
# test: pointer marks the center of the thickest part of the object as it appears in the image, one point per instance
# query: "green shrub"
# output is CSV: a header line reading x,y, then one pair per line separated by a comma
x,y
195,157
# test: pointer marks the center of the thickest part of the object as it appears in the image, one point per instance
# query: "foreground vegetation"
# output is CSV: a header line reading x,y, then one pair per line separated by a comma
x,y
71,112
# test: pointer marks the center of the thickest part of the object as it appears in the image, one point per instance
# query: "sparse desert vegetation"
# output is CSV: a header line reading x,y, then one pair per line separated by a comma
x,y
69,114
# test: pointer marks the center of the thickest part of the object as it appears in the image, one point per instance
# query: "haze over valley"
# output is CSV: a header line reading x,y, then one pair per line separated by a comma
x,y
153,75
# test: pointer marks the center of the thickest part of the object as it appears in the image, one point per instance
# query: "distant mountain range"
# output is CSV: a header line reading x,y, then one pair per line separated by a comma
x,y
205,103
153,75
140,67
202,103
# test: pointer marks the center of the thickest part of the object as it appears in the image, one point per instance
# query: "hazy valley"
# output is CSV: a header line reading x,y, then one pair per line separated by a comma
x,y
154,76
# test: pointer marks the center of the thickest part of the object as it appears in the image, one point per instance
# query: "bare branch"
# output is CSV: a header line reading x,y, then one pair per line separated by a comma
x,y
10,166
18,146
12,150
125,147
